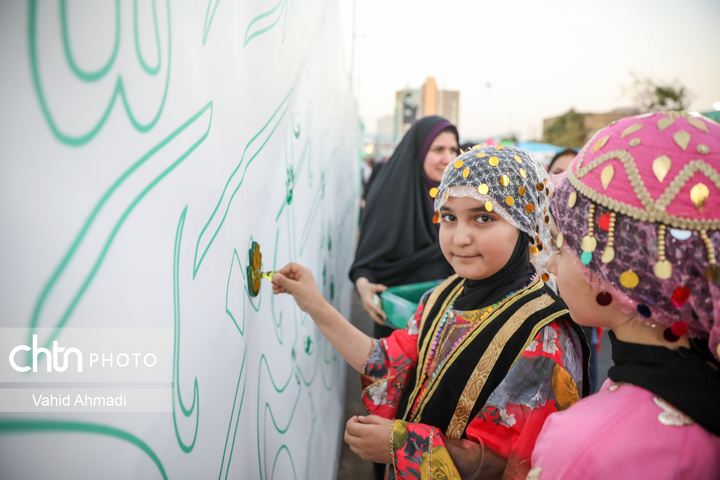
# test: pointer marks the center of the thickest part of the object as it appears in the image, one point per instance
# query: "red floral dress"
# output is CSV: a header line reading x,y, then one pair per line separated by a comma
x,y
501,437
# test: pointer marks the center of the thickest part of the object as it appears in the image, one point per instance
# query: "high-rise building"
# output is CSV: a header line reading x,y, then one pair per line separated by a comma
x,y
412,104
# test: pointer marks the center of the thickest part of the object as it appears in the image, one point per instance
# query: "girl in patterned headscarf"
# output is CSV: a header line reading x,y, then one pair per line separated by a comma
x,y
638,219
463,390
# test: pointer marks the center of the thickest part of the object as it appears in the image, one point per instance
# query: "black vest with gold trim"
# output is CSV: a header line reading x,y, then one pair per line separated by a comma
x,y
480,362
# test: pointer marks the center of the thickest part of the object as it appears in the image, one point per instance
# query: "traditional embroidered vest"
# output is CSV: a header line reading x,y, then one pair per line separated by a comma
x,y
481,360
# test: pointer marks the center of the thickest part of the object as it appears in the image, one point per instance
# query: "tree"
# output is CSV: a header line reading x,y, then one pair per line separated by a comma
x,y
568,130
653,96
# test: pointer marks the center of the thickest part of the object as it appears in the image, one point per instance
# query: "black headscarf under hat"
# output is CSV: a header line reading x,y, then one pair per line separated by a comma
x,y
398,241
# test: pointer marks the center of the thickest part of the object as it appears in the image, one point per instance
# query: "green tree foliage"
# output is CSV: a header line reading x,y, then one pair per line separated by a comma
x,y
568,130
653,96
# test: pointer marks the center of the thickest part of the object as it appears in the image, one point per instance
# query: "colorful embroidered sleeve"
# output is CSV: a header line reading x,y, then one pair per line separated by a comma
x,y
544,380
501,437
420,451
388,367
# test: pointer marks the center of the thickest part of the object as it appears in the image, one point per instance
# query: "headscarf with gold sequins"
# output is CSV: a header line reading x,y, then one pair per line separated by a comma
x,y
509,182
640,210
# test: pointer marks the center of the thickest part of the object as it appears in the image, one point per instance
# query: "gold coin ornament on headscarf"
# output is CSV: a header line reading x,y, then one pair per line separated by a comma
x,y
517,159
661,166
509,200
607,175
458,163
629,279
697,123
631,129
572,198
560,240
504,180
682,138
699,195
481,154
529,208
433,192
522,190
466,172
488,206
483,189
493,161
498,147
664,123
523,173
600,143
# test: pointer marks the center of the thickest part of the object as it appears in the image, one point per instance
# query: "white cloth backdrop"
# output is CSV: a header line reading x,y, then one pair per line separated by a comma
x,y
145,146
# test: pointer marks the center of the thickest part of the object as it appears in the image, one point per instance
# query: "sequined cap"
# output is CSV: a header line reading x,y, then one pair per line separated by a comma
x,y
640,208
509,182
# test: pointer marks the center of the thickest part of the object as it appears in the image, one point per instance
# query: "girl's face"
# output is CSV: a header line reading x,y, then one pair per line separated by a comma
x,y
577,293
477,243
443,150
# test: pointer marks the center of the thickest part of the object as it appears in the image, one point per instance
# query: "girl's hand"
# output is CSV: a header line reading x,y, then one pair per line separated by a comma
x,y
367,290
369,437
299,282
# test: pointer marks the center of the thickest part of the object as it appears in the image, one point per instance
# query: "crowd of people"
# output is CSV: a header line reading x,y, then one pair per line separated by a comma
x,y
494,374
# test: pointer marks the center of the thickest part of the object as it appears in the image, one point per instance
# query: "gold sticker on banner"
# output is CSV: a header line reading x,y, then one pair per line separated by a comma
x,y
663,269
634,142
483,189
588,244
517,159
600,143
458,163
572,199
629,279
433,192
661,166
480,155
607,175
522,173
488,206
466,172
699,195
712,273
608,255
702,148
664,123
682,138
521,190
530,208
697,123
493,161
504,180
631,129
560,240
509,200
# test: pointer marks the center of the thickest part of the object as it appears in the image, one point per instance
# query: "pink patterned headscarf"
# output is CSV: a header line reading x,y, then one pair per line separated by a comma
x,y
640,209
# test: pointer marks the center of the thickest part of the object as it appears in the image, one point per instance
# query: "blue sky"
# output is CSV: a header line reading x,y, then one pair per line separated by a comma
x,y
540,58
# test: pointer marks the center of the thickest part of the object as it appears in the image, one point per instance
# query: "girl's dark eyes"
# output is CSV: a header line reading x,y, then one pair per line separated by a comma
x,y
447,218
483,219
